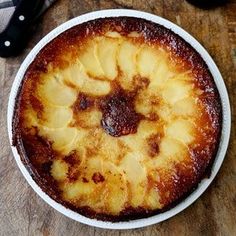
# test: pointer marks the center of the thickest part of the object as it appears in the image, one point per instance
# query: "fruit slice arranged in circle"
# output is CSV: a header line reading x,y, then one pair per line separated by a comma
x,y
56,117
89,59
115,191
55,92
107,55
61,138
136,176
175,90
182,130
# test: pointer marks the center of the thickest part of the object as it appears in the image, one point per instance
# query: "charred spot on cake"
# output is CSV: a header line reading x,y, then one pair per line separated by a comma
x,y
37,148
72,158
118,114
83,102
73,161
85,180
153,142
85,112
150,182
46,167
97,177
73,173
39,152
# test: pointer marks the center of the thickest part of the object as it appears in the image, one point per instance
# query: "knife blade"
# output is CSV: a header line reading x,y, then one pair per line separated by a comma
x,y
16,34
8,3
7,8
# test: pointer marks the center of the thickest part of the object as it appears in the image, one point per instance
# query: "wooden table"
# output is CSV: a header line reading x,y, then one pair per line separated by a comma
x,y
22,212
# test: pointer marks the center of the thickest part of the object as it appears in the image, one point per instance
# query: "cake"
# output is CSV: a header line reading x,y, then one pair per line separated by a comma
x,y
117,119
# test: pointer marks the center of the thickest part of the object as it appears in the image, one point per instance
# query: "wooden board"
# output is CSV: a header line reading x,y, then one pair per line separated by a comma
x,y
22,212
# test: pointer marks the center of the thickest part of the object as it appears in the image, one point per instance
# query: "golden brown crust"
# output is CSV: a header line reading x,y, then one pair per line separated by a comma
x,y
119,118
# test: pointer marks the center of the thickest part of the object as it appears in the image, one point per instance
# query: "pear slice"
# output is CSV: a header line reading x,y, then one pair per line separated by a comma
x,y
74,75
135,174
162,70
115,192
59,170
105,186
107,50
95,87
83,188
30,118
89,59
146,61
138,141
112,149
175,90
161,161
146,128
173,149
61,138
77,76
152,199
164,112
126,58
185,76
147,102
113,34
76,190
186,107
88,119
55,92
181,129
56,117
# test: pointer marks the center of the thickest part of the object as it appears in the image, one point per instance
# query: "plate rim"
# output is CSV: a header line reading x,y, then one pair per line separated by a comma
x,y
226,119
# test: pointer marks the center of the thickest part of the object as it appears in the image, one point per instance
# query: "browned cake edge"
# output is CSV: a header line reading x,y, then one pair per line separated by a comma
x,y
154,34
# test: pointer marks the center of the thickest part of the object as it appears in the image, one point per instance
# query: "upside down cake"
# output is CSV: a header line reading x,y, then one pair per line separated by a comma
x,y
117,119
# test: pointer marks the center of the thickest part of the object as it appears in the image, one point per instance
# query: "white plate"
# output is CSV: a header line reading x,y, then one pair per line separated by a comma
x,y
224,136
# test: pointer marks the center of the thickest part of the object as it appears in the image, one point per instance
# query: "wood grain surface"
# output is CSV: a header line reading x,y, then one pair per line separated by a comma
x,y
22,212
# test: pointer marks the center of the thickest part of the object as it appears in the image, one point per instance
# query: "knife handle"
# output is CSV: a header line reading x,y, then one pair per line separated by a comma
x,y
15,35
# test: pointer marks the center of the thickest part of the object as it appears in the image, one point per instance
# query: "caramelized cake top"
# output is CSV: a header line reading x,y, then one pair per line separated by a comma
x,y
117,118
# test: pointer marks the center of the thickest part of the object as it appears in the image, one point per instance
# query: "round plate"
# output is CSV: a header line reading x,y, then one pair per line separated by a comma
x,y
225,127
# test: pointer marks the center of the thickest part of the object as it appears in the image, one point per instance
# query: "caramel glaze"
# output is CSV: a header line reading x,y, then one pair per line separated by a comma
x,y
118,113
37,154
119,116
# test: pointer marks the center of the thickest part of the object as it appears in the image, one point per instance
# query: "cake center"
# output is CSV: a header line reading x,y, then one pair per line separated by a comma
x,y
118,113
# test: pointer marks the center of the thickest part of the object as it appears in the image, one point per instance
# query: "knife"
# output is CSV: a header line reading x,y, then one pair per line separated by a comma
x,y
14,37
7,3
7,8
207,4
